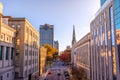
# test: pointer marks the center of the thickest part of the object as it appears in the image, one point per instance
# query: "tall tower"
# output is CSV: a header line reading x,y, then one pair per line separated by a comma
x,y
74,36
46,34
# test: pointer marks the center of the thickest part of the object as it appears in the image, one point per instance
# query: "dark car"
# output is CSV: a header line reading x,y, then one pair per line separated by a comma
x,y
67,78
66,73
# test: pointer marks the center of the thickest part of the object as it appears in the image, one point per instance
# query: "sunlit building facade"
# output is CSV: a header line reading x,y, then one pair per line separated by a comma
x,y
42,60
46,34
82,52
104,53
7,36
26,49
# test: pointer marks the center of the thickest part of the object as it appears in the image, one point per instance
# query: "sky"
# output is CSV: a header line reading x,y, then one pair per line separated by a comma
x,y
63,14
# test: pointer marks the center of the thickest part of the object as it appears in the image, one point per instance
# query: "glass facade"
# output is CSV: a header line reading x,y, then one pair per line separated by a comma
x,y
112,25
46,35
102,2
117,13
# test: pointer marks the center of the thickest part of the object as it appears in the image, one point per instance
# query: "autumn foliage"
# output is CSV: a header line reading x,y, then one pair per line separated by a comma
x,y
50,51
65,56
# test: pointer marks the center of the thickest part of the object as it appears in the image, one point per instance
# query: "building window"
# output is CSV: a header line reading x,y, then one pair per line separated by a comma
x,y
12,53
2,37
1,51
25,72
100,19
25,62
101,34
7,75
16,74
7,51
26,52
17,54
13,26
112,26
7,38
18,41
18,26
105,29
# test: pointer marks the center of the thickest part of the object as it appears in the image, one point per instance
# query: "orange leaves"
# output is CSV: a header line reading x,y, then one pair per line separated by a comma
x,y
65,56
50,50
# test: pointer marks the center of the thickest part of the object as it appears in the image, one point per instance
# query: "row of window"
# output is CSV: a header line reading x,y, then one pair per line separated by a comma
x,y
34,53
82,55
34,61
8,76
29,31
6,38
6,52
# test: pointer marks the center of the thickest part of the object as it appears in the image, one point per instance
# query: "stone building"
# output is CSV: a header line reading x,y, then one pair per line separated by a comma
x,y
82,51
26,49
7,47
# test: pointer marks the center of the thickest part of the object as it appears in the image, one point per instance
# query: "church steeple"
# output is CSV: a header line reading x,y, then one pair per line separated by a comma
x,y
73,36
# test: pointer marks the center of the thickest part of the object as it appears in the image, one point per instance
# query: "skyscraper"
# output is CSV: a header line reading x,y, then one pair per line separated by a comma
x,y
46,34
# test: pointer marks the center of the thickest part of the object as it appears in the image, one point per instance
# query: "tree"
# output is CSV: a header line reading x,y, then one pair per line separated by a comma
x,y
66,56
50,51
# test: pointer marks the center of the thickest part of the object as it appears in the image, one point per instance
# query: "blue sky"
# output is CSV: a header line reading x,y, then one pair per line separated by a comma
x,y
63,14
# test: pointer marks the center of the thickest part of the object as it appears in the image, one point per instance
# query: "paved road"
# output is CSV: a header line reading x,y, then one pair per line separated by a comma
x,y
55,70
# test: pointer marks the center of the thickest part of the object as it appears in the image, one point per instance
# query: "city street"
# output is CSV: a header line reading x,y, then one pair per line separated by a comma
x,y
56,71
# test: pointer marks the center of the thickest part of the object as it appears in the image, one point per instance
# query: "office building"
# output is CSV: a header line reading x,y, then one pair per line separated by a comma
x,y
46,34
7,36
26,49
104,53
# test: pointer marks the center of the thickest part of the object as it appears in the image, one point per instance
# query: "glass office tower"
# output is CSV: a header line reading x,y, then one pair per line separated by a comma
x,y
102,2
117,13
46,34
